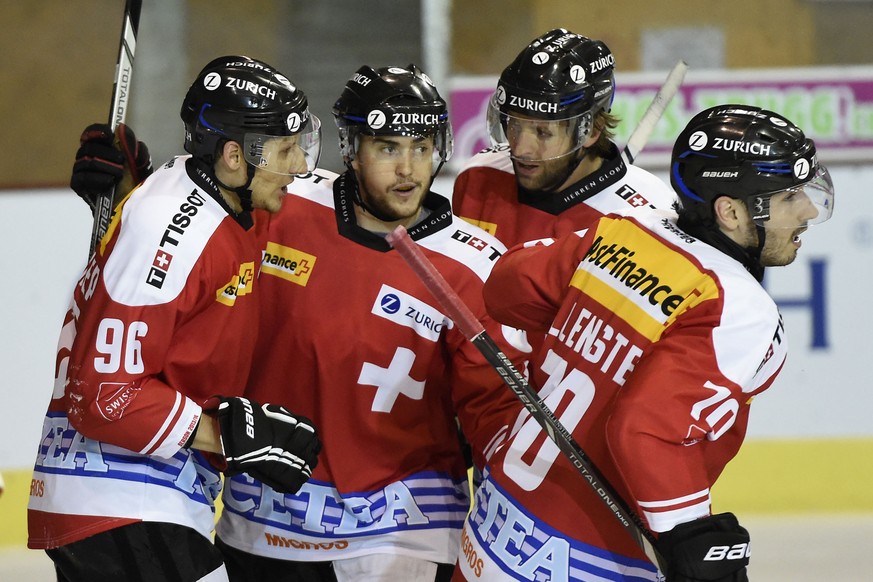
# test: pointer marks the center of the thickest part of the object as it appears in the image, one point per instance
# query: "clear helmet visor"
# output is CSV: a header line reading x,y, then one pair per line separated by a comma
x,y
801,206
287,155
403,147
533,139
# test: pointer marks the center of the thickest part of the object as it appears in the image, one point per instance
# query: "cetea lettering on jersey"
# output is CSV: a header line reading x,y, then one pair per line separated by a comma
x,y
392,507
64,450
512,545
408,311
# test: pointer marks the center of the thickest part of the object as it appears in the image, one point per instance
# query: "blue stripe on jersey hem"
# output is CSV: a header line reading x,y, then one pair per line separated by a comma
x,y
442,504
534,542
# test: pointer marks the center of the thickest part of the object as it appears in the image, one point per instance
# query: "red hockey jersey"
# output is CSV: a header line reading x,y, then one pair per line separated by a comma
x,y
486,194
656,343
352,339
162,318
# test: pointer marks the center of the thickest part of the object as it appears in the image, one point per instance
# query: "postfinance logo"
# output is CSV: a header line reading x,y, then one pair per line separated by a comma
x,y
238,285
641,279
287,263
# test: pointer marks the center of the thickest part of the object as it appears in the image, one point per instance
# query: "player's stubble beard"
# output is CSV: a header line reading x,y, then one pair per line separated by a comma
x,y
384,204
553,174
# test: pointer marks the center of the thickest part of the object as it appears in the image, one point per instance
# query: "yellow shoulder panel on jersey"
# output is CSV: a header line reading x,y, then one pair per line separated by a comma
x,y
489,227
640,278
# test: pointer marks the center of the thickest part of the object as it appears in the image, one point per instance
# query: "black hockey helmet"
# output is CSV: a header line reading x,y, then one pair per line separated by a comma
x,y
398,101
560,76
749,154
237,98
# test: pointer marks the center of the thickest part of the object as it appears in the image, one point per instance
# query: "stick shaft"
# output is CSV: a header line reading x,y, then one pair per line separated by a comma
x,y
473,330
641,133
118,109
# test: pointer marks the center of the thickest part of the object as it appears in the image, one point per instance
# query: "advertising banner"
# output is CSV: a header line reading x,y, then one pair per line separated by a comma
x,y
834,105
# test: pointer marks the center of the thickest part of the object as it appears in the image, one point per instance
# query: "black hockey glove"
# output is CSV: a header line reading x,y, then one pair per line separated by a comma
x,y
267,442
711,549
102,159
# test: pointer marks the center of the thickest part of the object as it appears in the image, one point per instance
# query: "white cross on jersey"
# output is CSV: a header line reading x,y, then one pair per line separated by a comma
x,y
637,201
162,260
392,381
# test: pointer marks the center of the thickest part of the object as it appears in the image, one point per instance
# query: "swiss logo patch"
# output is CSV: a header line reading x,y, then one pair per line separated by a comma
x,y
113,398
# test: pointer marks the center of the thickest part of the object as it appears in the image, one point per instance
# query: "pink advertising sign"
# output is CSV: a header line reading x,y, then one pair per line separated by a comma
x,y
833,105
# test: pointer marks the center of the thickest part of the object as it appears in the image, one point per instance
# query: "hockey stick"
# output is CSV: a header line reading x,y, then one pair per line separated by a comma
x,y
646,125
118,111
474,331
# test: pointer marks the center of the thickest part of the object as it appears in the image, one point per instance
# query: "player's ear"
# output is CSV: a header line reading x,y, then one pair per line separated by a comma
x,y
232,156
730,213
230,166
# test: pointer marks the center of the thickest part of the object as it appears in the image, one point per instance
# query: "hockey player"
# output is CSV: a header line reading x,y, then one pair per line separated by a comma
x,y
369,356
659,335
156,347
553,167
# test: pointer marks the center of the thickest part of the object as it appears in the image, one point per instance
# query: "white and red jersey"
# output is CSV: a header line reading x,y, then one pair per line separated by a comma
x,y
162,319
486,194
656,343
352,339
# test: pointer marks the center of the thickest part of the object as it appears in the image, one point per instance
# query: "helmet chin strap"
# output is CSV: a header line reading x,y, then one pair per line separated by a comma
x,y
245,195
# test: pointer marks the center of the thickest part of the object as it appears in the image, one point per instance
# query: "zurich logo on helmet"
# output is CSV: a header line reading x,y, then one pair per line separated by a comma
x,y
294,122
500,95
801,168
212,81
376,119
